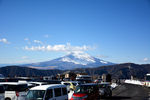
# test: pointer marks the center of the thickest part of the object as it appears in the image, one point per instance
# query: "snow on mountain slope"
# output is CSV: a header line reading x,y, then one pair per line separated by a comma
x,y
78,58
71,61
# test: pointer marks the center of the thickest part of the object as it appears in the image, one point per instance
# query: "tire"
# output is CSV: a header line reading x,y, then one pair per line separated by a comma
x,y
7,99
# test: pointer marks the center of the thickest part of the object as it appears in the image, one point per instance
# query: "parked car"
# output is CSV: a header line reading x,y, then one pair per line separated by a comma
x,y
105,89
88,91
15,90
48,92
2,91
33,84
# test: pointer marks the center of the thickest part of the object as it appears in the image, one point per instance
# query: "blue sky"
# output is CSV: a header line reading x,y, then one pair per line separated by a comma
x,y
40,30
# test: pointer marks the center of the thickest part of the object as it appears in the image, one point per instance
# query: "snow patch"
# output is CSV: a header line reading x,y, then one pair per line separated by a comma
x,y
83,56
103,62
78,57
66,59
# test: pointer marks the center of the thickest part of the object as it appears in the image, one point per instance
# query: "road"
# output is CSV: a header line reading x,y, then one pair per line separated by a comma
x,y
130,92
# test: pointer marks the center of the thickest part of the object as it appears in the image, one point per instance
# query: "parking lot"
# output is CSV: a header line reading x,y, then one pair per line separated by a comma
x,y
121,92
130,92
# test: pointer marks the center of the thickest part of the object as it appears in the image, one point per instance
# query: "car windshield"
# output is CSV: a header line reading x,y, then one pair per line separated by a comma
x,y
84,89
68,84
35,95
74,84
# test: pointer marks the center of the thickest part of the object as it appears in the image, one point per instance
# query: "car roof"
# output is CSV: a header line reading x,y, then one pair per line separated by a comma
x,y
12,83
37,82
45,87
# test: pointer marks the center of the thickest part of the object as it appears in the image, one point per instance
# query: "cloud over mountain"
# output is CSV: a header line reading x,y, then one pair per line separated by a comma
x,y
59,48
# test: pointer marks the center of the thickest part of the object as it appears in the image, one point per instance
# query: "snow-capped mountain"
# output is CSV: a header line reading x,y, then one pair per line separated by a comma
x,y
78,58
71,61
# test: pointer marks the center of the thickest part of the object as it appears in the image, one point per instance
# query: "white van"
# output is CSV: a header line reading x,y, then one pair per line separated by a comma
x,y
48,92
2,91
15,90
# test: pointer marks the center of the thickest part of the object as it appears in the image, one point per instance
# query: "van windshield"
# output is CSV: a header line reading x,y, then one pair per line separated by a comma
x,y
35,95
74,84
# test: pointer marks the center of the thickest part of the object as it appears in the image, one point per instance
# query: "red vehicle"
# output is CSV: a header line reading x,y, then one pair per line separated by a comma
x,y
86,92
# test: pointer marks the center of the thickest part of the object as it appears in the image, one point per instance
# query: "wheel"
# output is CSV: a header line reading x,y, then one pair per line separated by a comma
x,y
7,99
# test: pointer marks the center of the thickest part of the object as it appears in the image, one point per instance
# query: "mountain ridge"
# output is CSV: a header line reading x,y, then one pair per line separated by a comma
x,y
118,71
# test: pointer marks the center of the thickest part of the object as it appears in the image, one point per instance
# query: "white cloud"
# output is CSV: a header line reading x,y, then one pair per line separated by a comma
x,y
4,40
59,48
145,59
46,36
34,41
37,41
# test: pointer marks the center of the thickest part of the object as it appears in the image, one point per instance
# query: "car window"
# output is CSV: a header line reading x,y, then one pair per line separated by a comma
x,y
49,94
64,90
81,89
74,84
67,84
91,89
18,88
35,95
57,92
85,89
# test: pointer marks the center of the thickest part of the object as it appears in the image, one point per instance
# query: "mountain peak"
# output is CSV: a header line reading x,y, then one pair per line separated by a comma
x,y
78,58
